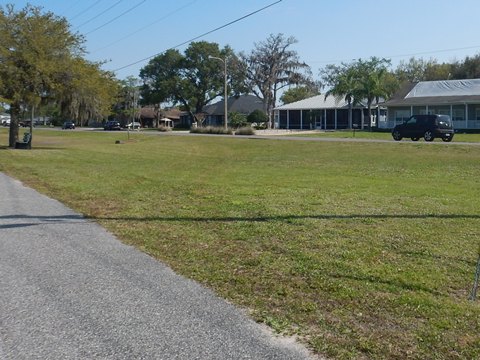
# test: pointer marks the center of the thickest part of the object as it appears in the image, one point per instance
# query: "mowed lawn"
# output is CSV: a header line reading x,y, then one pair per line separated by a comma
x,y
362,250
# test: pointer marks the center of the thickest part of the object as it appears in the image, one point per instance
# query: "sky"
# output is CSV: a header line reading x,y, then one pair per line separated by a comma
x,y
126,33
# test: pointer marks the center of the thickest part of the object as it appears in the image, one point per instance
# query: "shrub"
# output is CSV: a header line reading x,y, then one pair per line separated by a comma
x,y
247,130
211,130
164,128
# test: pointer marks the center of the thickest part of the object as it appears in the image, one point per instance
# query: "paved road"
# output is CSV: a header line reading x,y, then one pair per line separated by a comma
x,y
71,290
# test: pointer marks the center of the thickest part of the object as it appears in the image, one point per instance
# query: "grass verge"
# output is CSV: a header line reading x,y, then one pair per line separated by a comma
x,y
363,250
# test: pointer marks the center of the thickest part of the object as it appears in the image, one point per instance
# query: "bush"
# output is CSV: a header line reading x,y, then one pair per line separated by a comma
x,y
247,130
211,130
164,128
257,116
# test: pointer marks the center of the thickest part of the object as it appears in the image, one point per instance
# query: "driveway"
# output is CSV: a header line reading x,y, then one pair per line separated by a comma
x,y
71,290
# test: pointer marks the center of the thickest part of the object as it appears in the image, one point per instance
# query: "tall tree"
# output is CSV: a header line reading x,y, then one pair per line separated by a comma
x,y
298,93
343,84
192,79
34,47
271,66
374,81
361,80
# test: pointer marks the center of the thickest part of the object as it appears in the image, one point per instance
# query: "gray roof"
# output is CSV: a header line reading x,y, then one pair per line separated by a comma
x,y
442,92
243,104
318,102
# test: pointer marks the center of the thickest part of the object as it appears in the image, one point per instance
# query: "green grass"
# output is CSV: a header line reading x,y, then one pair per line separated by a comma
x,y
363,134
363,250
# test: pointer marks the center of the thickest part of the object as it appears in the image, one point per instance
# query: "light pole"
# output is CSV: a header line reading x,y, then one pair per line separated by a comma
x,y
225,94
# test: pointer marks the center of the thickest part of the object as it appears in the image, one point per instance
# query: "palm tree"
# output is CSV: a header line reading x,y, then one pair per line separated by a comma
x,y
346,87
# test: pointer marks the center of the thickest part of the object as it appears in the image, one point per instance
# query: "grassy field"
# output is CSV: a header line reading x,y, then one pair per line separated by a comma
x,y
363,250
349,134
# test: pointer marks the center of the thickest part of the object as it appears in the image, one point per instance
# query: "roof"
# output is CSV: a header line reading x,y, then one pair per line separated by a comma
x,y
317,102
243,104
440,92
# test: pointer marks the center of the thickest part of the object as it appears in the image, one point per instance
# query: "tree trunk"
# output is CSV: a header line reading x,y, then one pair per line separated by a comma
x,y
14,117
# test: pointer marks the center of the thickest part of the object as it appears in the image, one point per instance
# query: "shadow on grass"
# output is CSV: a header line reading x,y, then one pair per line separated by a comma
x,y
285,217
393,283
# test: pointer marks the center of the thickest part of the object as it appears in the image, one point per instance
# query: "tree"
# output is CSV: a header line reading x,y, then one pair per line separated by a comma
x,y
416,70
270,67
343,83
34,48
41,64
258,117
85,92
192,80
237,120
373,75
360,81
299,93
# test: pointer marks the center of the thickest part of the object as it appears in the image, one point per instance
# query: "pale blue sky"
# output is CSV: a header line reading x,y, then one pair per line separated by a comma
x,y
327,31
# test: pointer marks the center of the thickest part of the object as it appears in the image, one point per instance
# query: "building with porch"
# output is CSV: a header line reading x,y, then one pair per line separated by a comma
x,y
327,113
460,99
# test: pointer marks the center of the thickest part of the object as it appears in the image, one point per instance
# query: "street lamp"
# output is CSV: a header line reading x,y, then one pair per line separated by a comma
x,y
225,87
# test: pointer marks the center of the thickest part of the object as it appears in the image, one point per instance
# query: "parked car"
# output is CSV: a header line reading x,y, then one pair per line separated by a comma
x,y
112,125
427,126
68,125
136,125
6,121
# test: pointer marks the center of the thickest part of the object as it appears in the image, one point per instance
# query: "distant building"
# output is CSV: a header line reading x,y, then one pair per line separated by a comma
x,y
320,112
460,99
244,104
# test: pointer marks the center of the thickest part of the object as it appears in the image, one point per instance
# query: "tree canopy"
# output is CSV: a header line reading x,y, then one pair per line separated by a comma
x,y
271,66
41,60
192,79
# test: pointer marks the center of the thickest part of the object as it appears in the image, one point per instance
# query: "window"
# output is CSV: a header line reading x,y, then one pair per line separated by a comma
x,y
477,114
458,114
401,116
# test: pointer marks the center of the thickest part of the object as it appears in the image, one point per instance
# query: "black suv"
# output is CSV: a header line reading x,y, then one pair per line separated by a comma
x,y
112,125
427,126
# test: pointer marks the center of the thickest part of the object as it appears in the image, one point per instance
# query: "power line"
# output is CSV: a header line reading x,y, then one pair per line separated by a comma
x,y
202,35
84,11
98,15
115,18
145,27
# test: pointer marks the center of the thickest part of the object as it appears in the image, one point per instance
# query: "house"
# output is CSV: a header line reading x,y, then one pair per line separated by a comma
x,y
244,104
151,116
460,99
320,112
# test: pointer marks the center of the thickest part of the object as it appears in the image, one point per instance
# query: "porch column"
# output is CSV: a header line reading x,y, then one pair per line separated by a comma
x,y
301,119
335,119
324,119
411,110
466,116
288,119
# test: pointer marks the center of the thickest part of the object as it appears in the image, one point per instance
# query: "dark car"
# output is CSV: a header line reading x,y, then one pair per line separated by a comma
x,y
68,125
427,126
112,125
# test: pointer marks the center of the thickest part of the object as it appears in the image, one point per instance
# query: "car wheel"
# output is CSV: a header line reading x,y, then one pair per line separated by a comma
x,y
415,138
428,136
447,139
397,136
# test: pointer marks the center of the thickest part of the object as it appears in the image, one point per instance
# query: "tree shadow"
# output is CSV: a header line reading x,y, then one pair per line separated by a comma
x,y
400,284
284,217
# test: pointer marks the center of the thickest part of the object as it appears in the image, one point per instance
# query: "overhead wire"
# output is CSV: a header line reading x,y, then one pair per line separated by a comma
x,y
202,35
100,14
116,17
84,11
145,27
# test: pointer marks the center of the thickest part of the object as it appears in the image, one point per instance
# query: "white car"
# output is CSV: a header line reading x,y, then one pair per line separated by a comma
x,y
136,125
5,120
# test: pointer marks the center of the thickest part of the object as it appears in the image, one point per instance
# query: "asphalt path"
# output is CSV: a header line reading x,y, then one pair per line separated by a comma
x,y
70,290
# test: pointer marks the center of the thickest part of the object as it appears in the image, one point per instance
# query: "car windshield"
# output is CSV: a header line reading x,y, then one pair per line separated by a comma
x,y
444,123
